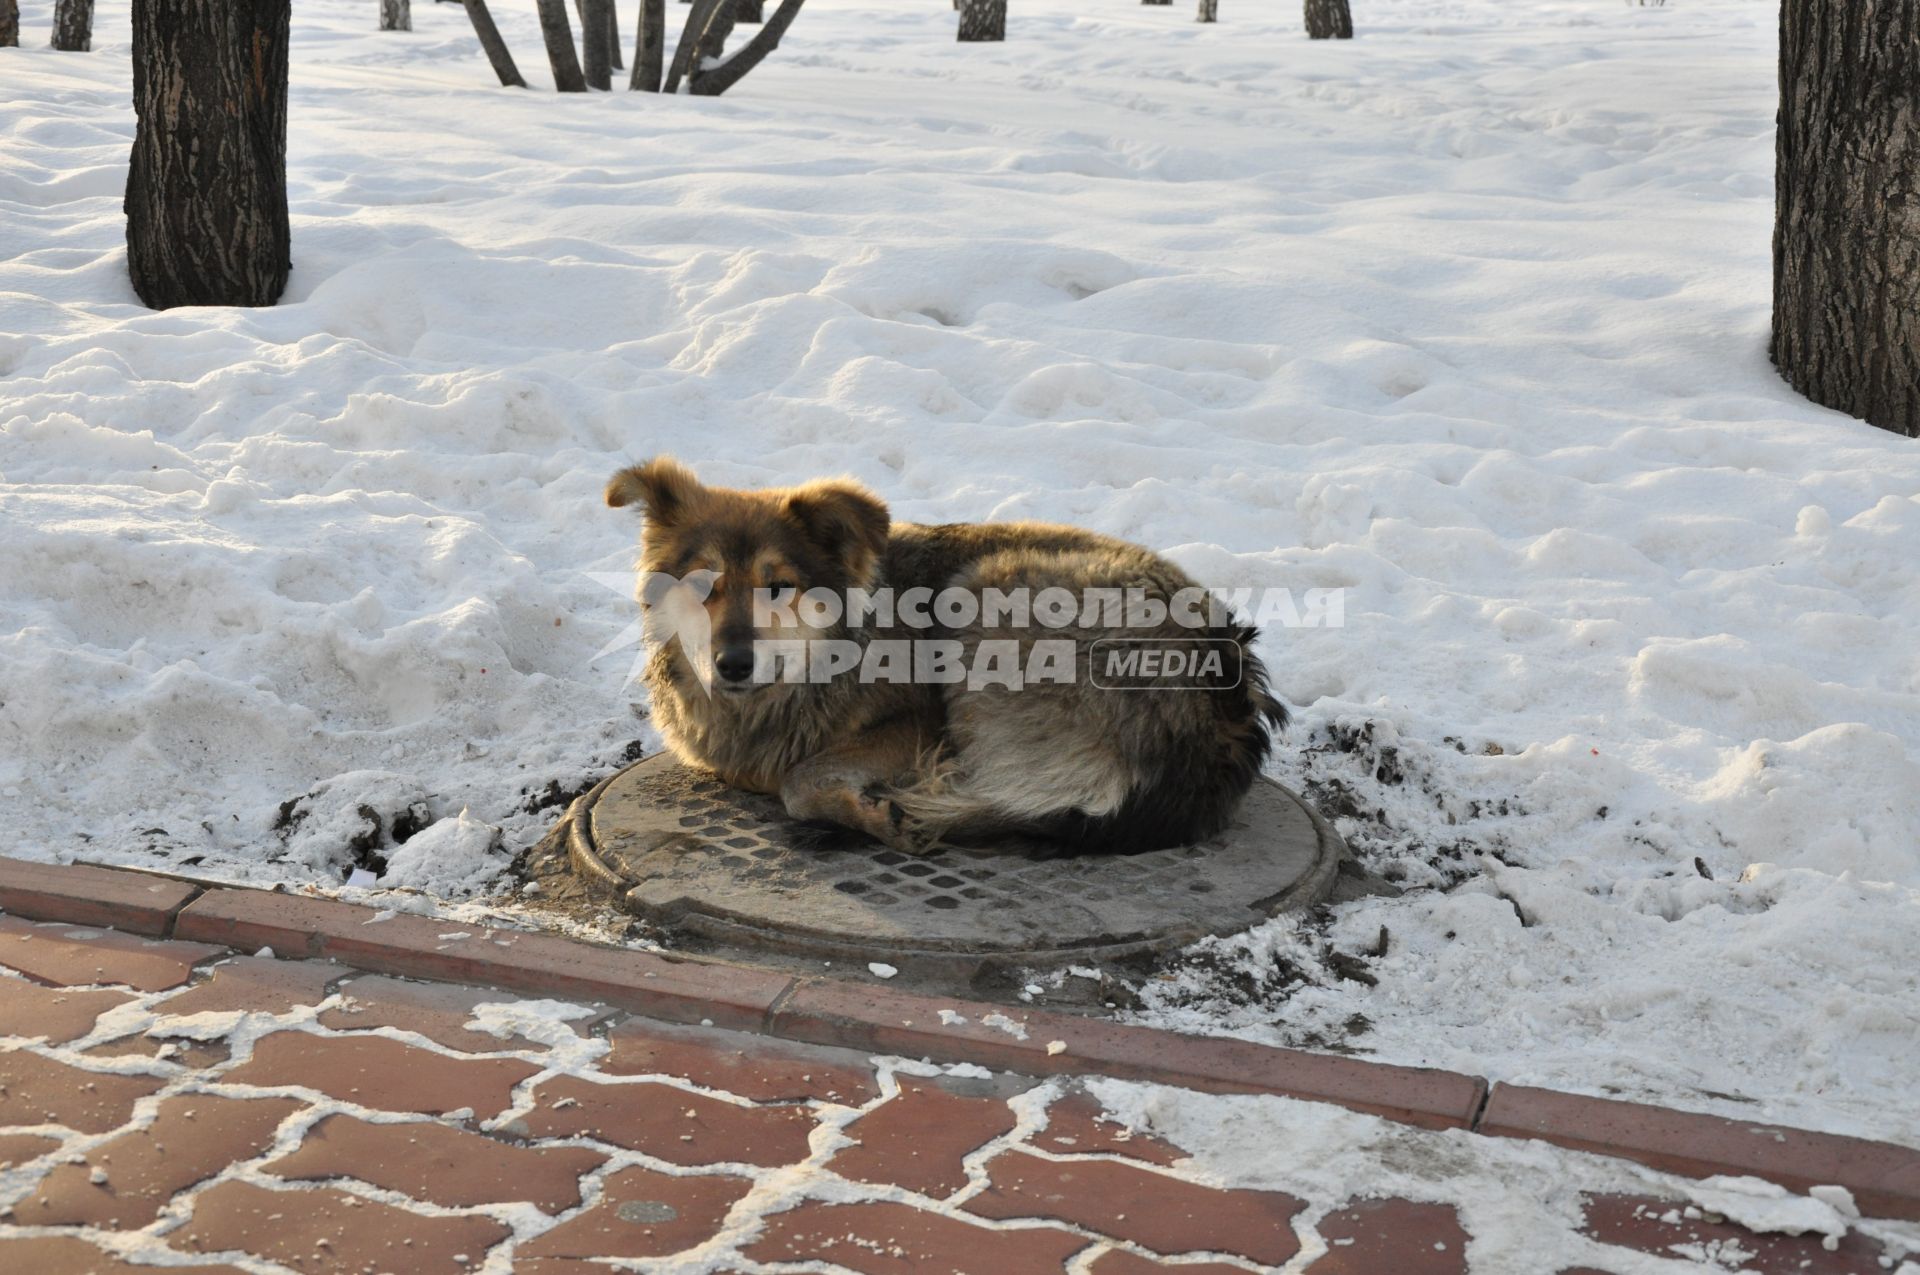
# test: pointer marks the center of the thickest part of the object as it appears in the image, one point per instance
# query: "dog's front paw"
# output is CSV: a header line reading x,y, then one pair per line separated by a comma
x,y
904,833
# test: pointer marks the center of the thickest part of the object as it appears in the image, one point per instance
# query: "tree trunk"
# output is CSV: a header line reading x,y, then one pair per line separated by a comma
x,y
9,24
593,43
558,33
207,186
983,20
496,48
396,15
649,42
1329,20
684,61
613,33
753,11
73,25
755,50
1209,10
712,45
1846,236
729,73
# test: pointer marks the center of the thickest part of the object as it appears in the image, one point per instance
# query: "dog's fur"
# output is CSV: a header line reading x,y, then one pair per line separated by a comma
x,y
914,765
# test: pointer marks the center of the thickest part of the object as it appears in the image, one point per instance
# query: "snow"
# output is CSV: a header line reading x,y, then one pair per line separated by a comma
x,y
452,857
1763,1206
1466,316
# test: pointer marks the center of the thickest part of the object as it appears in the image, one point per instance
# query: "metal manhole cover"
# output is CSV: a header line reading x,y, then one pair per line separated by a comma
x,y
686,852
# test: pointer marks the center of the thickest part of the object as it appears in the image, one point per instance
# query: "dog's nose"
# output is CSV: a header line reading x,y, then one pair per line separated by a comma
x,y
734,664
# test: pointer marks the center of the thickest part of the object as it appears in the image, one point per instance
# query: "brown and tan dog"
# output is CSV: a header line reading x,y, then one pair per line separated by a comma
x,y
1159,761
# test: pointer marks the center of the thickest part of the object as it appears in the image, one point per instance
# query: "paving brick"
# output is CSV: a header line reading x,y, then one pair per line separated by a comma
x,y
192,1138
669,1124
36,1090
130,901
643,1214
257,983
1150,1209
439,1165
319,1229
74,955
1121,1262
885,1020
53,1014
1884,1179
384,1074
1078,1125
663,987
1402,1236
1652,1225
64,1255
919,1139
882,1238
18,1148
438,1011
761,1068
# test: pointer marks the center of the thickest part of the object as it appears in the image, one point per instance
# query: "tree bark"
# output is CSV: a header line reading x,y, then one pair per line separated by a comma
x,y
649,42
9,24
754,11
73,26
1329,20
613,33
207,185
1846,237
558,33
593,43
396,15
1209,11
683,52
712,45
495,47
983,20
729,73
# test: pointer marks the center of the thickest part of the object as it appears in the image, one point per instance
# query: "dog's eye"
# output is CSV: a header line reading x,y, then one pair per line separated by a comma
x,y
781,591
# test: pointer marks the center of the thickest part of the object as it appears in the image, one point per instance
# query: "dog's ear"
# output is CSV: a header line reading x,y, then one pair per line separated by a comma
x,y
663,486
846,520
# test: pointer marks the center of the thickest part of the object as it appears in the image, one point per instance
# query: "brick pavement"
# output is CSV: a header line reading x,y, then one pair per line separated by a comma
x,y
175,1104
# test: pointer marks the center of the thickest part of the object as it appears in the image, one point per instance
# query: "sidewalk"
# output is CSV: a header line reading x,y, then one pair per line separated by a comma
x,y
179,1103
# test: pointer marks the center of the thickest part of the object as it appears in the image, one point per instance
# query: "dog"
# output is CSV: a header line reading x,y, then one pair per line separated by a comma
x,y
1134,761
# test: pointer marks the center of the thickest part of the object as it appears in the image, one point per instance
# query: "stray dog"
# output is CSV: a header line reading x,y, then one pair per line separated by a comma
x,y
1138,760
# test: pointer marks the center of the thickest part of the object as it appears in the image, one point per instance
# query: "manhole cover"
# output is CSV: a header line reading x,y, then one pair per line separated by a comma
x,y
688,853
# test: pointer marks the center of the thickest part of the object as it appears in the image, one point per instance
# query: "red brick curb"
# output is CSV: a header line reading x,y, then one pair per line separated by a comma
x,y
829,1012
1884,1178
130,901
680,991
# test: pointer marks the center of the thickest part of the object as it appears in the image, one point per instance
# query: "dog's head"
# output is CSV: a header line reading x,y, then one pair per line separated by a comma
x,y
723,569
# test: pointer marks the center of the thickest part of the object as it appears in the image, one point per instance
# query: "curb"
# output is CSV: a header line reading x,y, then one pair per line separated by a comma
x,y
1883,1177
130,901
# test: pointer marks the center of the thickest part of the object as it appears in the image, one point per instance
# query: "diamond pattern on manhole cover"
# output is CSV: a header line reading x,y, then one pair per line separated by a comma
x,y
688,851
